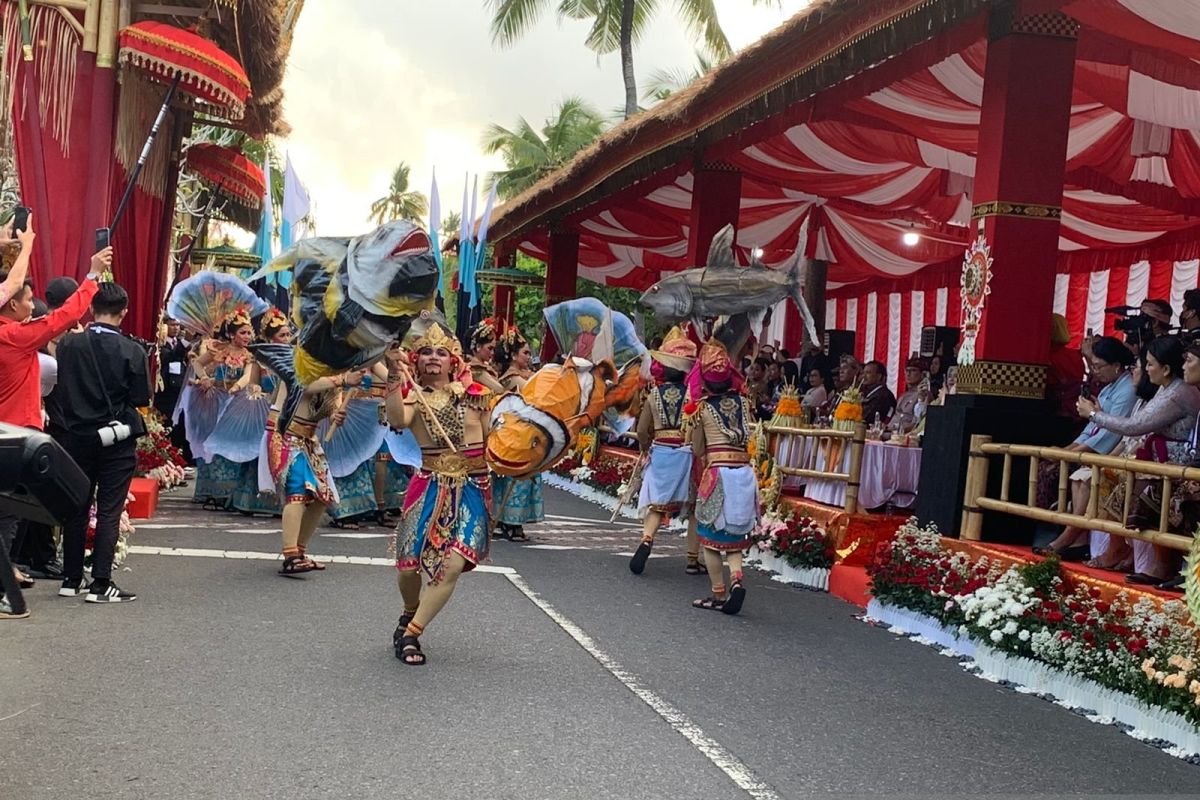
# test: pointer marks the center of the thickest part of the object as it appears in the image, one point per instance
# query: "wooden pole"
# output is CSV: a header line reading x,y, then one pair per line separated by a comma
x,y
1171,540
1006,478
91,26
1094,497
855,472
106,43
1165,512
1032,495
1128,497
1064,485
976,486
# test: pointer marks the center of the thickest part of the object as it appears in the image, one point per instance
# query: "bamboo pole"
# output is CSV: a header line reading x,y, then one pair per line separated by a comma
x,y
1094,495
70,19
1031,494
1006,477
856,458
1148,468
1164,513
1128,497
1160,538
810,433
124,14
91,26
1064,485
106,42
968,486
976,485
817,474
74,5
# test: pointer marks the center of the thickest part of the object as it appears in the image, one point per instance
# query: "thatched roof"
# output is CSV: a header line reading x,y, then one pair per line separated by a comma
x,y
258,33
819,47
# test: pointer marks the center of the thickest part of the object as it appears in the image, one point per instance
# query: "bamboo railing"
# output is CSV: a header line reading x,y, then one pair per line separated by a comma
x,y
823,438
1133,473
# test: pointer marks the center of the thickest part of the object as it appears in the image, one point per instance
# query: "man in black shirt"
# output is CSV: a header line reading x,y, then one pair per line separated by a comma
x,y
172,370
104,379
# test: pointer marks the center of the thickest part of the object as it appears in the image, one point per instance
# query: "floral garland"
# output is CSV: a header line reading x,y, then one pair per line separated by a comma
x,y
1142,649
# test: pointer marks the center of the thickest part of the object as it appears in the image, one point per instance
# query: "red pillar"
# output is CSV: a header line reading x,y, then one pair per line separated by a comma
x,y
716,202
1025,120
562,270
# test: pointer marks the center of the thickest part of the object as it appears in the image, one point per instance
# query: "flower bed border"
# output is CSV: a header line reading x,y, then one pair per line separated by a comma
x,y
783,572
1167,730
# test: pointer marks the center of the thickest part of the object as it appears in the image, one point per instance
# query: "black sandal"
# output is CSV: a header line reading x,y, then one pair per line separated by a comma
x,y
517,534
709,604
296,565
344,526
410,652
737,596
637,564
401,627
695,568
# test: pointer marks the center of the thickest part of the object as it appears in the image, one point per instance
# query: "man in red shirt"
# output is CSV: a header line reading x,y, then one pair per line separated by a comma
x,y
20,372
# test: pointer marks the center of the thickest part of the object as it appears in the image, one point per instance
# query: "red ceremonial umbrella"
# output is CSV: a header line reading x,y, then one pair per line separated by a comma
x,y
228,171
210,78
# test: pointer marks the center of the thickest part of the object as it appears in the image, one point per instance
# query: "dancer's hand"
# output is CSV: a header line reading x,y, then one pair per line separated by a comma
x,y
338,417
206,384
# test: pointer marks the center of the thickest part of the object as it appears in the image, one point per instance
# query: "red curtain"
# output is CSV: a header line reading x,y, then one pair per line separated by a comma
x,y
140,253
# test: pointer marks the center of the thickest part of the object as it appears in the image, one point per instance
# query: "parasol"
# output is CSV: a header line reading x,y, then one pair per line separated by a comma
x,y
211,80
229,172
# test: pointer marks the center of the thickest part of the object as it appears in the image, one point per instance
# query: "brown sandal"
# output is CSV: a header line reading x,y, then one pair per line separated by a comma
x,y
296,565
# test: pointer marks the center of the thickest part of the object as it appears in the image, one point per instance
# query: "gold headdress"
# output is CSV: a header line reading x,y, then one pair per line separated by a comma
x,y
488,330
429,332
273,319
236,319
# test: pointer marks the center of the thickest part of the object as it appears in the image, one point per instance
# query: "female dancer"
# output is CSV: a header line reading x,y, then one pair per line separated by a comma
x,y
483,350
255,493
727,493
351,449
222,371
515,503
666,475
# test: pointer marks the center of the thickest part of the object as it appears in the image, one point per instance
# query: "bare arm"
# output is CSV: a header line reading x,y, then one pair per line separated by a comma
x,y
20,268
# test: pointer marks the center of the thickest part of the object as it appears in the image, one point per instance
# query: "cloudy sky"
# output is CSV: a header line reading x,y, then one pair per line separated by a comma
x,y
374,82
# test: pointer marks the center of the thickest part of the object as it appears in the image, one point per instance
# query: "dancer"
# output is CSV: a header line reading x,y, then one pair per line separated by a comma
x,y
350,450
299,468
483,350
444,525
727,490
255,492
223,370
516,502
666,453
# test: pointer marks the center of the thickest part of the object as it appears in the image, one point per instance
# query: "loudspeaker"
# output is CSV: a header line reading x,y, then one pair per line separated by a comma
x,y
838,344
39,481
939,340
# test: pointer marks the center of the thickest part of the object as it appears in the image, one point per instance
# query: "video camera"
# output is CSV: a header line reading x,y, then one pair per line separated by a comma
x,y
1138,327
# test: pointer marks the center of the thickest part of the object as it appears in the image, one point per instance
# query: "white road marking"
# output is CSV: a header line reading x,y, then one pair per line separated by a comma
x,y
713,750
551,547
141,550
601,522
355,535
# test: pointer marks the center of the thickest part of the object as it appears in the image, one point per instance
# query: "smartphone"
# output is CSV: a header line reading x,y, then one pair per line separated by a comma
x,y
1085,392
103,235
20,219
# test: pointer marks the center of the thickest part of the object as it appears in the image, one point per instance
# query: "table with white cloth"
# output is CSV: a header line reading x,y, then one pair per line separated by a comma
x,y
889,472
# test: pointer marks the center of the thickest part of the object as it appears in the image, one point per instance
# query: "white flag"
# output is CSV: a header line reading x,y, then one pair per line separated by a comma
x,y
296,203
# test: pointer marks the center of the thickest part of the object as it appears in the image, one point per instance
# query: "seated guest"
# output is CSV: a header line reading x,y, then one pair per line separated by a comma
x,y
847,376
1167,422
878,400
1112,368
1189,317
911,405
1183,514
816,395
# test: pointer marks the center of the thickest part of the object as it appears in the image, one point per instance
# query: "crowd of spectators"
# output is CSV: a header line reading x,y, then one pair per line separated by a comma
x,y
83,385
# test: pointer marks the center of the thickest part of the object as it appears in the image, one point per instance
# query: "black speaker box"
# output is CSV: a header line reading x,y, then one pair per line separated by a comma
x,y
38,480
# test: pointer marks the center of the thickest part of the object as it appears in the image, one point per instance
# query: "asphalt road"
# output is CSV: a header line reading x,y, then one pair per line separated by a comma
x,y
556,675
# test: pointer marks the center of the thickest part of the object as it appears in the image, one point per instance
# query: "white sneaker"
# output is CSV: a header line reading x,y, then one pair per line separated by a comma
x,y
6,610
109,594
71,588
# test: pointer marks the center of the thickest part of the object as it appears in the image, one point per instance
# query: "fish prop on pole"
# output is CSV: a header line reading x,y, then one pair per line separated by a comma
x,y
351,300
723,289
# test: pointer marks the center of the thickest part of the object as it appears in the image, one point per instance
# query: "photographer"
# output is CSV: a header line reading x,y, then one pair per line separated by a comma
x,y
104,378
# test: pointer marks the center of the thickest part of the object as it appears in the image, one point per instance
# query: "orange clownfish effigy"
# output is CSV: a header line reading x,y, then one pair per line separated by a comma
x,y
533,430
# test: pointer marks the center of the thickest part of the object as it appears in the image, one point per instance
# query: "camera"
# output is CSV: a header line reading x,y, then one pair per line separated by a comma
x,y
114,432
1138,328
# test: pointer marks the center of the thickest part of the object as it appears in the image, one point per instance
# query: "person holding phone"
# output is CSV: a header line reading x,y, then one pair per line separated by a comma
x,y
20,268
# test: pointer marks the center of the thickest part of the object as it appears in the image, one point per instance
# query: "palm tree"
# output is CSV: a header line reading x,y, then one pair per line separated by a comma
x,y
399,202
530,154
663,83
451,226
616,26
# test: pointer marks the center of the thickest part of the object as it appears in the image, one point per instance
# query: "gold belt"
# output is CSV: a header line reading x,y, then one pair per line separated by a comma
x,y
307,430
454,465
672,437
727,457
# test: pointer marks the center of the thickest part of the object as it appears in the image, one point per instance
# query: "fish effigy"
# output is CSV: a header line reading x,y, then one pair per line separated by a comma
x,y
723,289
533,430
351,300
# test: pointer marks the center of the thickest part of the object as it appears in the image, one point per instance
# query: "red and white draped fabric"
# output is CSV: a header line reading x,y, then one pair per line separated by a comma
x,y
852,176
887,320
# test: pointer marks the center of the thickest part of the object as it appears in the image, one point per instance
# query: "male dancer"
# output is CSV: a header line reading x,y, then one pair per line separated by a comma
x,y
444,525
667,471
301,474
